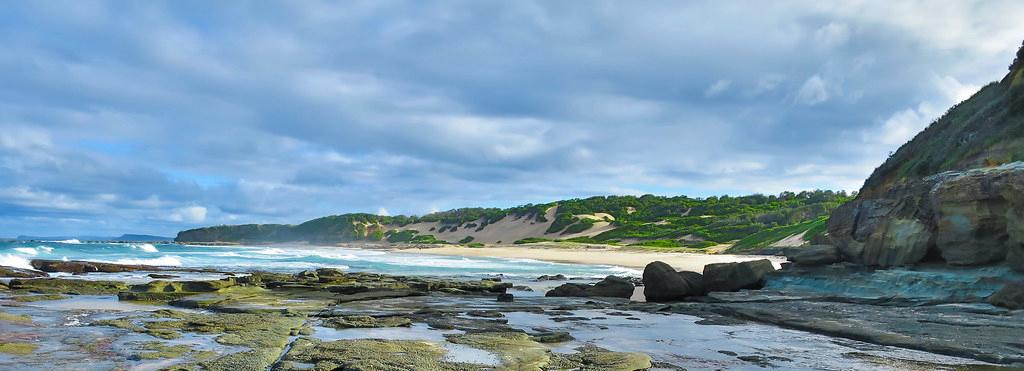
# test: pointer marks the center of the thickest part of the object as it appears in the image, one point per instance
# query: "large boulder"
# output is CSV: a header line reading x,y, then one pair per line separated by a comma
x,y
976,212
12,272
663,283
611,287
814,255
1010,296
737,276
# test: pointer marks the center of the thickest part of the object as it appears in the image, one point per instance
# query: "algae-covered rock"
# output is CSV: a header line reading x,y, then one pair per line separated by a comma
x,y
12,272
68,286
344,322
15,318
17,348
369,354
517,350
592,358
552,337
158,350
39,297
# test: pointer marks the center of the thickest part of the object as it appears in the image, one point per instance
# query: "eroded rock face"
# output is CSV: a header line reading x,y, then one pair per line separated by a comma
x,y
737,276
663,283
971,217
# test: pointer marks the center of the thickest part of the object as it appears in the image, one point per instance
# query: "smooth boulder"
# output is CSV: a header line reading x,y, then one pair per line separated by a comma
x,y
663,283
814,255
1010,296
737,276
611,287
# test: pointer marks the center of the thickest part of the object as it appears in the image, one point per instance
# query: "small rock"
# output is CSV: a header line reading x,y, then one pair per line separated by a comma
x,y
13,272
552,337
1010,296
161,276
557,277
505,298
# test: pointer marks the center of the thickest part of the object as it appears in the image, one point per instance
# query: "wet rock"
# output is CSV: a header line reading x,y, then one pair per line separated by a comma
x,y
1010,296
552,337
344,322
517,350
611,286
68,286
556,277
814,255
737,276
663,283
506,298
592,358
12,272
161,276
369,354
522,288
80,267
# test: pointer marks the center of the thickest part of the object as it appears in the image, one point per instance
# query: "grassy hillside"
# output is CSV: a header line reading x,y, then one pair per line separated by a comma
x,y
645,221
984,130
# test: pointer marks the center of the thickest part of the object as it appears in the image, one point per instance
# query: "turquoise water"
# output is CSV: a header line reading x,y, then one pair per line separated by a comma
x,y
293,259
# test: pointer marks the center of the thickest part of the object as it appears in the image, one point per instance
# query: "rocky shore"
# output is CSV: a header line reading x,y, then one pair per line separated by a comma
x,y
330,319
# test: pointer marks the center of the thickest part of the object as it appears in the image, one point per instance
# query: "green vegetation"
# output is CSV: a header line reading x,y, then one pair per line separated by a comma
x,y
653,221
532,240
20,349
427,239
769,236
475,245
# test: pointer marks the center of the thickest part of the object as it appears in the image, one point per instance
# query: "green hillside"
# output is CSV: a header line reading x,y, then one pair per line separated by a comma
x,y
645,221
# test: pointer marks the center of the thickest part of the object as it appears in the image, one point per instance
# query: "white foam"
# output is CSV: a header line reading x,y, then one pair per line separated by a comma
x,y
44,248
16,261
64,258
166,261
147,247
26,250
73,241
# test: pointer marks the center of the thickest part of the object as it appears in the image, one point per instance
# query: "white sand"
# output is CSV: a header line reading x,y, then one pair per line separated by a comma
x,y
593,255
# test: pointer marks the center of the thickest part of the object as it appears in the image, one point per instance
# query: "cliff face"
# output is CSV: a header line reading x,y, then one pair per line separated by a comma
x,y
954,193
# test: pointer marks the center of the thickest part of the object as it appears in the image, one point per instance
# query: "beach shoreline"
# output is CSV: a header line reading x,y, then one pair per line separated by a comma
x,y
590,255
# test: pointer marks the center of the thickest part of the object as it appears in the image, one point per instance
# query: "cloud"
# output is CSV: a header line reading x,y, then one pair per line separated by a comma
x,y
832,35
160,117
717,88
814,91
188,214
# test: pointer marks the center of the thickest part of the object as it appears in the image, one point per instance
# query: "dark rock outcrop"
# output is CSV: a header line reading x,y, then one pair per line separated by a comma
x,y
79,267
1010,296
737,276
814,255
12,272
955,192
663,283
970,217
611,287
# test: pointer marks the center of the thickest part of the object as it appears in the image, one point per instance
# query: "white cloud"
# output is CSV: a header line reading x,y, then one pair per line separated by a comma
x,y
832,35
188,214
814,91
717,88
383,212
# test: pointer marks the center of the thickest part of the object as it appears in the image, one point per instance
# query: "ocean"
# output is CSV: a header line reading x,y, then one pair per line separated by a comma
x,y
294,259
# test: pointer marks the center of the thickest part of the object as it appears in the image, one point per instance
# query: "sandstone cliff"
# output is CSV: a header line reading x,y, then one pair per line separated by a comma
x,y
954,193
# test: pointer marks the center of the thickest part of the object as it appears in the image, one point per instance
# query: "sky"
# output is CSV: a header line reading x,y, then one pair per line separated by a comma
x,y
153,117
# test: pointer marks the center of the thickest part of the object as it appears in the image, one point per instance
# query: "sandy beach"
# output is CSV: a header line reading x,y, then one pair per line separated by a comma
x,y
592,255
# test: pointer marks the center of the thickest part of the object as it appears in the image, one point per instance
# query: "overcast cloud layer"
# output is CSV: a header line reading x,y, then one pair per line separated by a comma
x,y
154,117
